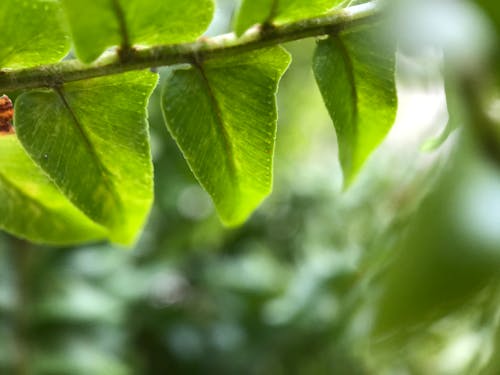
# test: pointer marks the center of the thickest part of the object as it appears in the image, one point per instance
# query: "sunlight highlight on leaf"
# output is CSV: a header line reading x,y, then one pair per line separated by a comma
x,y
31,205
33,33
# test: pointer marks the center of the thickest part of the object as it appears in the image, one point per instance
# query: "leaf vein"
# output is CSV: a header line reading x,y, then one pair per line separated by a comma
x,y
221,128
344,52
105,173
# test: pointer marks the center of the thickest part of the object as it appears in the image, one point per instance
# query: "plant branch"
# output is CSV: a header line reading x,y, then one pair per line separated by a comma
x,y
205,49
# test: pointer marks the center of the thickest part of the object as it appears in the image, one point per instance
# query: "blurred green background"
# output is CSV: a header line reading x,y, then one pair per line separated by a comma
x,y
397,275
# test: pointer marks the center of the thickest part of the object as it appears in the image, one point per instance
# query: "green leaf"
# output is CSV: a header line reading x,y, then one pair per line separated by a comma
x,y
91,138
99,24
33,33
355,72
31,205
223,116
278,12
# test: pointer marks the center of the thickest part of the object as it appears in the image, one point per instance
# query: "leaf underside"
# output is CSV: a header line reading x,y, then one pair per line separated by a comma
x,y
91,138
223,115
355,72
